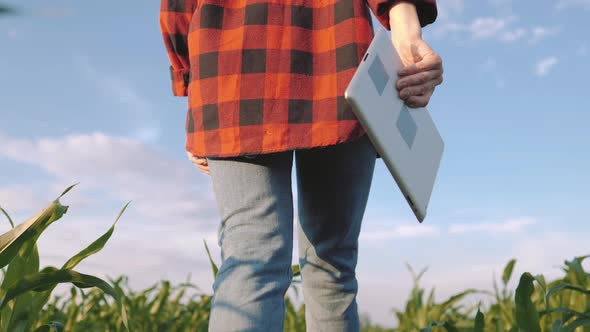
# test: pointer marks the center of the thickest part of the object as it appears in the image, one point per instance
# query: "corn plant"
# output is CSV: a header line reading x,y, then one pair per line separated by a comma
x,y
25,289
563,305
161,307
560,305
420,314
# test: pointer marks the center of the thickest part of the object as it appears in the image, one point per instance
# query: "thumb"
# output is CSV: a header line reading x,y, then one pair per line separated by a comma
x,y
425,59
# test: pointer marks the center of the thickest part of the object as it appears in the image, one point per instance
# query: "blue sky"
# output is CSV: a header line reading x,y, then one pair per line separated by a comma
x,y
85,97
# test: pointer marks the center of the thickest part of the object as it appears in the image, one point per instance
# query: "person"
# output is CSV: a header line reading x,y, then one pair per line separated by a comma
x,y
265,82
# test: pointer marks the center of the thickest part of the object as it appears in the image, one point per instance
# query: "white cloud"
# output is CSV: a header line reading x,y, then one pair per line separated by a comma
x,y
561,246
490,67
449,8
487,27
123,92
544,66
159,236
533,35
449,12
514,225
483,28
125,169
510,36
564,4
499,28
540,32
18,198
146,253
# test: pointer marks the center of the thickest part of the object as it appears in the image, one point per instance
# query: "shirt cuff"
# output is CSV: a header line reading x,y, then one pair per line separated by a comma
x,y
426,10
180,79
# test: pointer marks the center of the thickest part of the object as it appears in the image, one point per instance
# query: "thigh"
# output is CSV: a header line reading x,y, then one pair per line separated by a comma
x,y
333,187
254,198
256,239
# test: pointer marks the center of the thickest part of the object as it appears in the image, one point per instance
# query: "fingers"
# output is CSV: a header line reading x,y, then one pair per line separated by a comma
x,y
420,78
204,169
200,162
419,101
420,89
429,63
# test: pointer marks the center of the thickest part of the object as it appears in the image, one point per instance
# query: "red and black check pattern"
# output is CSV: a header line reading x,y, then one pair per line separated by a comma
x,y
269,76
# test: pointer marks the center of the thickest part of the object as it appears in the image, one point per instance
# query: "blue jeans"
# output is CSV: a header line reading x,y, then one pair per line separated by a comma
x,y
255,202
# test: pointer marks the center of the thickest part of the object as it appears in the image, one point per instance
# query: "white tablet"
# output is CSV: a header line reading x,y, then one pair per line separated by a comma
x,y
406,138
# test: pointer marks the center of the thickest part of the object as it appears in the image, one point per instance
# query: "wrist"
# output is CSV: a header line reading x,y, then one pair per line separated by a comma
x,y
404,22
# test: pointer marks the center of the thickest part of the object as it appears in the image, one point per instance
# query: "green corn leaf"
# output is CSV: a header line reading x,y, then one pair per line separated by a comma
x,y
39,300
18,248
51,327
527,317
68,189
446,325
557,325
93,248
440,309
416,277
52,276
479,321
26,262
213,265
568,313
160,300
96,246
571,327
577,271
178,297
11,241
560,287
7,217
508,271
540,279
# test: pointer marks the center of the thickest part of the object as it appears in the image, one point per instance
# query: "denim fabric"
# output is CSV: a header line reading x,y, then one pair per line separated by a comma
x,y
254,197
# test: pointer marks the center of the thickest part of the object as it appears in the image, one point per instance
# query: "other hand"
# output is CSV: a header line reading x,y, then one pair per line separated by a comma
x,y
200,162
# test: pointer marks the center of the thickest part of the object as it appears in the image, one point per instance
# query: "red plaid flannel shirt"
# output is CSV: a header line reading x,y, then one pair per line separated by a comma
x,y
269,76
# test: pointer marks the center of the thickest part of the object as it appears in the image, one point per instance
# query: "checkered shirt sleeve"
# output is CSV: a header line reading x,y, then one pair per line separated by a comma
x,y
426,9
175,18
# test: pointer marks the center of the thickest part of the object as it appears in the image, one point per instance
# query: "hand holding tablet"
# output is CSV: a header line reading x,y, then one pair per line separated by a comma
x,y
421,68
406,138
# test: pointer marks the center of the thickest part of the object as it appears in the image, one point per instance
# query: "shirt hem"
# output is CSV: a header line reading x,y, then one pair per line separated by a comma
x,y
297,146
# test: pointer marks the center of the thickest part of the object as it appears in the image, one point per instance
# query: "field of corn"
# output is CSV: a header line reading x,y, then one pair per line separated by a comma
x,y
94,304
